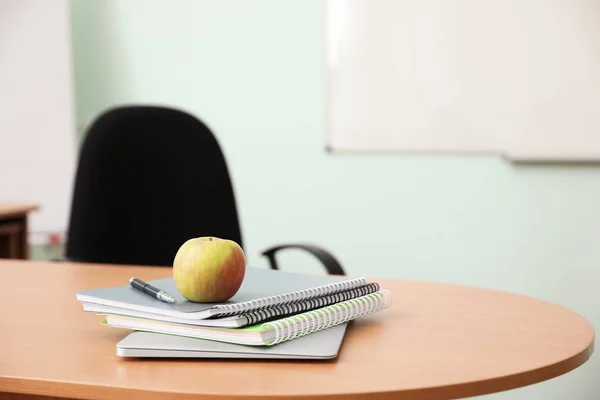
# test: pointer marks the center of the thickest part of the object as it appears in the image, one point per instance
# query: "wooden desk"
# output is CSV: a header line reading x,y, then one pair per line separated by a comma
x,y
435,341
13,230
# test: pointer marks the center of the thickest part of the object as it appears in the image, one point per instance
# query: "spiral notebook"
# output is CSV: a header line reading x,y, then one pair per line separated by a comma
x,y
267,333
279,292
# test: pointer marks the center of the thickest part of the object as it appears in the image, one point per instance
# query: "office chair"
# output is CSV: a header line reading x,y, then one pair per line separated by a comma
x,y
149,178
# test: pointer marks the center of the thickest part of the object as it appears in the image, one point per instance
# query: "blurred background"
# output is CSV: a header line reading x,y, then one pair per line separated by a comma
x,y
259,73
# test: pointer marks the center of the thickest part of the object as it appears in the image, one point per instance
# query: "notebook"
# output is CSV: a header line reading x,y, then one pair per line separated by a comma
x,y
267,333
263,289
321,345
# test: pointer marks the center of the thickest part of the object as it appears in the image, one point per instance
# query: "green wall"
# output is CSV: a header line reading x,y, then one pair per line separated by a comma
x,y
253,70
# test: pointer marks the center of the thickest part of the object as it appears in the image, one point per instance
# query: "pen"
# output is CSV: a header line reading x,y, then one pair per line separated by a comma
x,y
152,291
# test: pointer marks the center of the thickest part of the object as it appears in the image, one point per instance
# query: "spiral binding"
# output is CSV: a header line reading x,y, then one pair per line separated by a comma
x,y
326,317
310,304
227,310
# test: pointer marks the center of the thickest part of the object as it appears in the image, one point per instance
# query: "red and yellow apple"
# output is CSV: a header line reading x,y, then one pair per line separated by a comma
x,y
209,269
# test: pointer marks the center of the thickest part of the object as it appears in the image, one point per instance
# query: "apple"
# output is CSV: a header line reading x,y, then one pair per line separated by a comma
x,y
209,269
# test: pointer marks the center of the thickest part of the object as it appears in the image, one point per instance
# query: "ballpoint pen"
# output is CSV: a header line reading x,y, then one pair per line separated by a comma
x,y
152,291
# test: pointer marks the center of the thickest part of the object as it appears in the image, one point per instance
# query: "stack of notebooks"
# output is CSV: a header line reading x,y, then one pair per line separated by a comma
x,y
275,314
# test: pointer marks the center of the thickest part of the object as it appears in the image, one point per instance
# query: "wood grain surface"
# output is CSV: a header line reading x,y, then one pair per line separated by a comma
x,y
16,209
435,341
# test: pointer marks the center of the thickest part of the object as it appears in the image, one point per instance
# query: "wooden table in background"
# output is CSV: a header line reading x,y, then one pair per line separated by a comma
x,y
13,230
435,341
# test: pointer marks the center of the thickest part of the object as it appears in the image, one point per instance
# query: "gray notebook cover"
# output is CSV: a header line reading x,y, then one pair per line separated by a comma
x,y
258,282
324,344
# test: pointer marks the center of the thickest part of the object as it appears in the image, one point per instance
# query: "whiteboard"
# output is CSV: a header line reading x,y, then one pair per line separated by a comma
x,y
513,77
37,115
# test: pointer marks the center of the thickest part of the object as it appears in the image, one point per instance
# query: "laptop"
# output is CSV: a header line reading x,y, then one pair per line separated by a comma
x,y
320,345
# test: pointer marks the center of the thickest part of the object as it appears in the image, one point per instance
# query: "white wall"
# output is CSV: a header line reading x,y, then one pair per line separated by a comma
x,y
254,71
37,110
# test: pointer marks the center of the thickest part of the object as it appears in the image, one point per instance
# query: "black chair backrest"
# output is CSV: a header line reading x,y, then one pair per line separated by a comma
x,y
148,179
